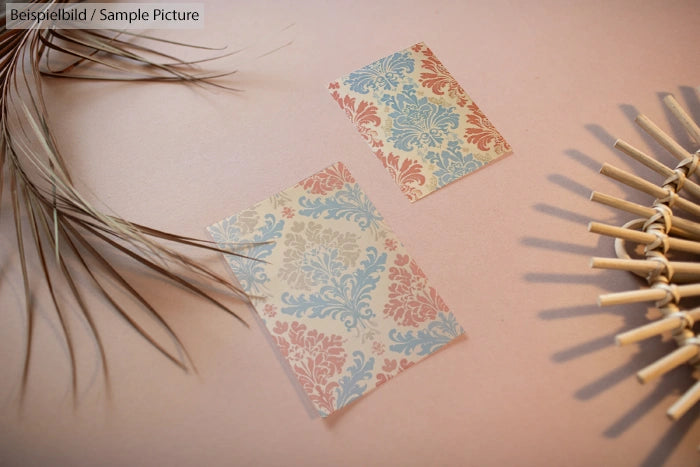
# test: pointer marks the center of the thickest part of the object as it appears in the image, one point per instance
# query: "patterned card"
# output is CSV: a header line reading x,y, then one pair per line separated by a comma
x,y
344,302
418,120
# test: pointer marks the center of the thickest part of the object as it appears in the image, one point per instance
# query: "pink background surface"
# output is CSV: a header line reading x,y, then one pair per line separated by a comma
x,y
537,381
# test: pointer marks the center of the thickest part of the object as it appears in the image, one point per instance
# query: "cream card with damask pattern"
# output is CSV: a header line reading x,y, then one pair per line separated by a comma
x,y
418,120
343,300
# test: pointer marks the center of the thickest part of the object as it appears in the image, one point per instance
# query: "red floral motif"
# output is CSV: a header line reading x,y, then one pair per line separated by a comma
x,y
484,134
269,310
437,77
378,348
315,358
390,244
411,300
392,368
407,173
287,212
333,178
364,117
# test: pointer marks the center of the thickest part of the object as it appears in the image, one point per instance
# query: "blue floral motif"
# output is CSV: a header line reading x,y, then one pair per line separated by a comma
x,y
439,332
350,203
418,122
248,269
322,264
382,74
452,163
351,386
226,231
345,297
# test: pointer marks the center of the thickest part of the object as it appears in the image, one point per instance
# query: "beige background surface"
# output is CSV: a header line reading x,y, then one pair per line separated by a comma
x,y
538,381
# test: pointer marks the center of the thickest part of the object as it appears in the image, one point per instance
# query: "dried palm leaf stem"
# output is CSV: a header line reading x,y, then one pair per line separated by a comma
x,y
55,225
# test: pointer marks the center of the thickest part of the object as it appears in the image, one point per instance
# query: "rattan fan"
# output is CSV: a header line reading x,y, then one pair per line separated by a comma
x,y
660,230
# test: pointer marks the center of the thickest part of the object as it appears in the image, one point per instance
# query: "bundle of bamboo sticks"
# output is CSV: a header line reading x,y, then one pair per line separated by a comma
x,y
660,230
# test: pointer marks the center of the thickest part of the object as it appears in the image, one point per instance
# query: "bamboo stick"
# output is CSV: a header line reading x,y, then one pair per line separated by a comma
x,y
662,138
622,204
624,233
647,187
631,296
643,158
633,181
626,148
644,295
631,265
681,227
676,244
654,328
667,363
686,268
685,402
690,126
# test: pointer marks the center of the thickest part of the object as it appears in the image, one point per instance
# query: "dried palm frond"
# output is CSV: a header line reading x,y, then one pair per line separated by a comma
x,y
55,224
